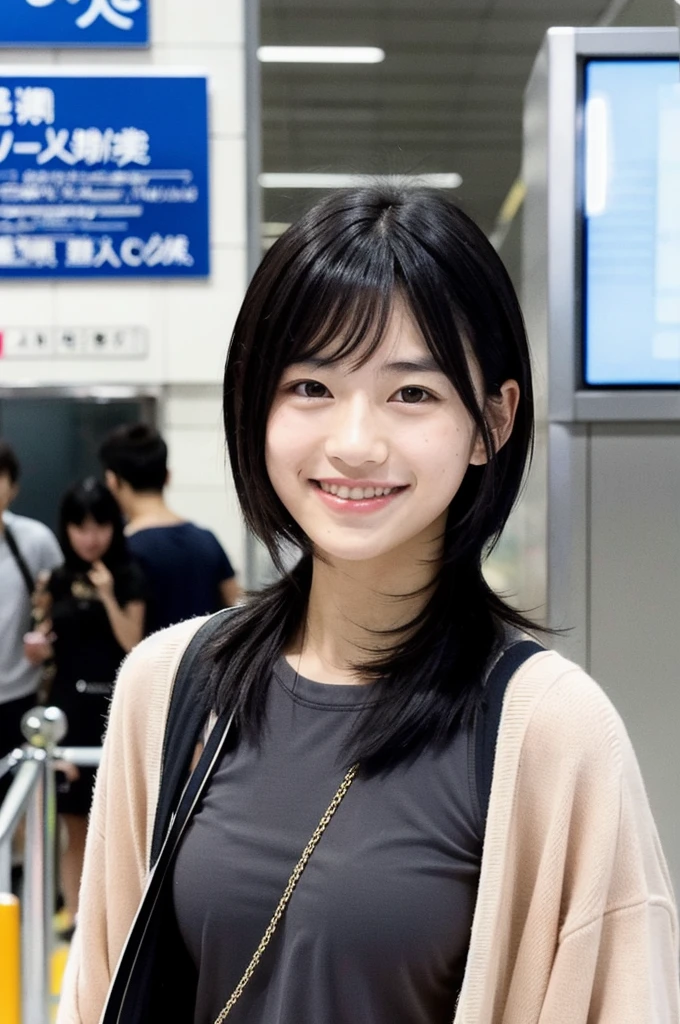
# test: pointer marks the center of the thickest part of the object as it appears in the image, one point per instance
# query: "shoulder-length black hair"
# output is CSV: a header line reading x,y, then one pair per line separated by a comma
x,y
86,499
326,288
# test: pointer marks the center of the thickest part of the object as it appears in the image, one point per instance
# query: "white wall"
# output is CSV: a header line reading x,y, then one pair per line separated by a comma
x,y
200,482
189,322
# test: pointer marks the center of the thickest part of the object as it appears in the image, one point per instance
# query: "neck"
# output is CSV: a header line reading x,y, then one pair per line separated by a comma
x,y
352,603
144,509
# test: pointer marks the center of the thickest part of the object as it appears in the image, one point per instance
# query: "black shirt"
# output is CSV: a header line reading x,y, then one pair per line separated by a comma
x,y
377,930
86,653
184,565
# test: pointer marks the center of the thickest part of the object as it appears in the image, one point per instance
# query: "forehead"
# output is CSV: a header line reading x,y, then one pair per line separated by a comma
x,y
400,341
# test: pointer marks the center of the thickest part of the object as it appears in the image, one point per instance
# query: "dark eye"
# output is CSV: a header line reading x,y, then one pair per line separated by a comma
x,y
311,389
413,395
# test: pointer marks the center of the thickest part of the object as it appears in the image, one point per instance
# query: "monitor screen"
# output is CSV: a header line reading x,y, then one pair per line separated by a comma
x,y
631,189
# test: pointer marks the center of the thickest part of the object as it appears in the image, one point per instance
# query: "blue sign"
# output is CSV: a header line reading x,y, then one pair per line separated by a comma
x,y
103,176
74,22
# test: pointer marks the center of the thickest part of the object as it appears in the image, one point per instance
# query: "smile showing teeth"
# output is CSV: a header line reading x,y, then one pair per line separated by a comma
x,y
355,493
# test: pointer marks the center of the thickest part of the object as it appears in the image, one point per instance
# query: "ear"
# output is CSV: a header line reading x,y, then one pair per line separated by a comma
x,y
500,411
111,481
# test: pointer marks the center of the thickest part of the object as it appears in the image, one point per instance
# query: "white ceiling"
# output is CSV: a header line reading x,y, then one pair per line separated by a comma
x,y
448,96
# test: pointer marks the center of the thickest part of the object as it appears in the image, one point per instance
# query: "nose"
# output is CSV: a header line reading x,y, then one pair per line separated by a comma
x,y
355,436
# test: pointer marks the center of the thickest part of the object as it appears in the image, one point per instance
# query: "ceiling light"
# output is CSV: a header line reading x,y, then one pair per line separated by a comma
x,y
320,54
285,180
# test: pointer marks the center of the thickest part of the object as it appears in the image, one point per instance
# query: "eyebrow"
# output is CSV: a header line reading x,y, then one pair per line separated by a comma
x,y
424,365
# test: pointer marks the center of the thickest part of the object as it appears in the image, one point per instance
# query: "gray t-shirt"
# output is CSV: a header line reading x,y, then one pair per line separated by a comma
x,y
41,552
377,930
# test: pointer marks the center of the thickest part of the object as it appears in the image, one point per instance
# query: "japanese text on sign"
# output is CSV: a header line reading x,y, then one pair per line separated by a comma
x,y
116,12
80,22
75,197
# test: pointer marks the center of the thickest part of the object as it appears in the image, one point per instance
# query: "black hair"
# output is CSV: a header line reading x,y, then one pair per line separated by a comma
x,y
85,499
138,455
326,288
9,464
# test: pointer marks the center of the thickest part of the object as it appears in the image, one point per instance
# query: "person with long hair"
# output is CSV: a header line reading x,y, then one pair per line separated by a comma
x,y
94,614
295,821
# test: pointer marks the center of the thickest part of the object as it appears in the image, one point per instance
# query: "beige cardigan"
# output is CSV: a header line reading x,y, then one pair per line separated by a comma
x,y
575,920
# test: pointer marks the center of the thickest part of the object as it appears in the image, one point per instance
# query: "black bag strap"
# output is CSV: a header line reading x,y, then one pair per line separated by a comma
x,y
186,718
154,978
487,725
20,560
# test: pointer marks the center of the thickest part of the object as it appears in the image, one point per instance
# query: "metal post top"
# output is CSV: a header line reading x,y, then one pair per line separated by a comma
x,y
44,728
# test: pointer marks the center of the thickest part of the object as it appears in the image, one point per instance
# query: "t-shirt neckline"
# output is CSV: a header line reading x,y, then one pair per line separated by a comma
x,y
336,695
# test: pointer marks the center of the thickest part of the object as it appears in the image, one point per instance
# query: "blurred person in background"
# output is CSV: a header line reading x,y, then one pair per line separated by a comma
x,y
188,571
27,549
93,609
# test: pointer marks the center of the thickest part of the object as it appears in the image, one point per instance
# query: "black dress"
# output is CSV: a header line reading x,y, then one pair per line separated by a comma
x,y
87,657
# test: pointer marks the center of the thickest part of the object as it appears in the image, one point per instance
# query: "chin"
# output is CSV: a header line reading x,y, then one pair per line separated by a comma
x,y
364,552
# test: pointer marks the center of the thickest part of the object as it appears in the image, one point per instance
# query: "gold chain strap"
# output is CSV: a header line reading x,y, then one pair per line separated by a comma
x,y
288,892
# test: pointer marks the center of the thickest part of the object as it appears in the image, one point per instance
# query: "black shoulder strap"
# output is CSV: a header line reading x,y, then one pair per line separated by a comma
x,y
486,729
20,560
186,718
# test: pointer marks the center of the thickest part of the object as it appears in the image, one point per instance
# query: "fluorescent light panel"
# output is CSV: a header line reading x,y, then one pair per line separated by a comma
x,y
303,180
320,54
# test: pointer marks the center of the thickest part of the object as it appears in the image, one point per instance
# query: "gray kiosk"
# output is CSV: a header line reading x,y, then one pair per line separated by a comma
x,y
598,531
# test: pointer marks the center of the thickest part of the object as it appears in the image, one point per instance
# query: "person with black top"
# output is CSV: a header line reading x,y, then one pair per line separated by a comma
x,y
94,612
188,571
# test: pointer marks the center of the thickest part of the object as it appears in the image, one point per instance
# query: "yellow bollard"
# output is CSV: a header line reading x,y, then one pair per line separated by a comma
x,y
10,971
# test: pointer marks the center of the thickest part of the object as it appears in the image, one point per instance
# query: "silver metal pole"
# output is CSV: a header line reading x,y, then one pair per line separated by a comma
x,y
34,940
49,836
44,728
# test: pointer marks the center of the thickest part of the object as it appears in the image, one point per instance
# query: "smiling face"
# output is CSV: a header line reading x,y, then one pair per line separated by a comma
x,y
368,459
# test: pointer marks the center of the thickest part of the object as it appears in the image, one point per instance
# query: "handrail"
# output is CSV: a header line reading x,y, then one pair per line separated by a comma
x,y
82,757
10,761
12,810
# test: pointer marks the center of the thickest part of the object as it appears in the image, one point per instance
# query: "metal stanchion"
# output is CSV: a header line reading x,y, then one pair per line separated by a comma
x,y
43,728
32,794
35,944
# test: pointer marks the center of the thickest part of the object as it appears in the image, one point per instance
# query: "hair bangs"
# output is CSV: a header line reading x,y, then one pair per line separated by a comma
x,y
343,306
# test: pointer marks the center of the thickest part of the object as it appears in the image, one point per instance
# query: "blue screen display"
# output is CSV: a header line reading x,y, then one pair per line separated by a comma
x,y
631,170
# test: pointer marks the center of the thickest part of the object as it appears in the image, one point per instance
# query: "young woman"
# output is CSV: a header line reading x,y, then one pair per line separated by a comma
x,y
94,614
378,411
